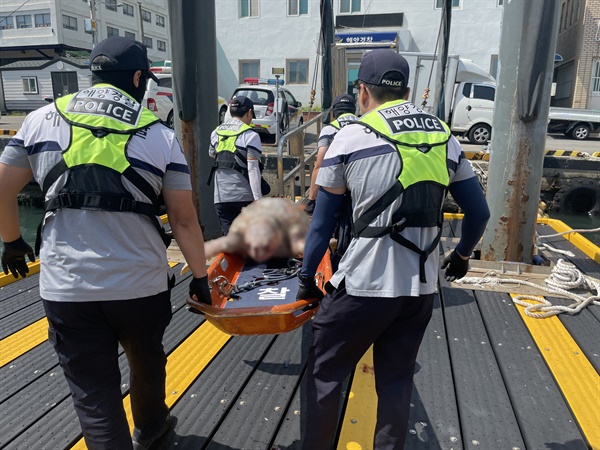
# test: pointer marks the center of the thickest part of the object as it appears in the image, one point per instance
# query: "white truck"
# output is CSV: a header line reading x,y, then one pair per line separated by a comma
x,y
469,98
576,123
469,92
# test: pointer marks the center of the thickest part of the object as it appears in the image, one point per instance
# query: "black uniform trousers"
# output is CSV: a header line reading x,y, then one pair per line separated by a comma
x,y
86,336
227,212
344,328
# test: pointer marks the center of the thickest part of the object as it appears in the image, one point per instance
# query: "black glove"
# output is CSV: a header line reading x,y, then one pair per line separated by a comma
x,y
455,266
199,288
13,257
310,207
308,289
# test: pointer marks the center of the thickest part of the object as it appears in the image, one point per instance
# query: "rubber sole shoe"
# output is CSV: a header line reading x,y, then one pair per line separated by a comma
x,y
159,442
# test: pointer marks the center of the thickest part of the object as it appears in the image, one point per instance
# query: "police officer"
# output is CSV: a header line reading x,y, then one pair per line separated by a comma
x,y
397,163
102,160
237,149
343,108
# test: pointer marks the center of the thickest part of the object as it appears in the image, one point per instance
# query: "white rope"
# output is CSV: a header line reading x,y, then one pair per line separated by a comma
x,y
556,250
564,276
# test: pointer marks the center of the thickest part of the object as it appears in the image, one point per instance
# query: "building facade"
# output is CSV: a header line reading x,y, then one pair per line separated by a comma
x,y
257,35
577,76
253,36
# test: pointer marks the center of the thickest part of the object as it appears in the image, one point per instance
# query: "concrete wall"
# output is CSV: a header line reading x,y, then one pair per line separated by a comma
x,y
272,37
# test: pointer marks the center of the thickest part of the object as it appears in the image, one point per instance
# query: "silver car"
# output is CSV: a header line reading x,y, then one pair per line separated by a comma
x,y
262,93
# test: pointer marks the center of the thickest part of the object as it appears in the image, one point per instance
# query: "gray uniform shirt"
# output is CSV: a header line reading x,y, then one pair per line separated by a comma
x,y
99,255
230,185
368,166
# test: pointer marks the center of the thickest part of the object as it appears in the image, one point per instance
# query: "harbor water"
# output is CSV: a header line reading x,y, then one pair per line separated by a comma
x,y
30,217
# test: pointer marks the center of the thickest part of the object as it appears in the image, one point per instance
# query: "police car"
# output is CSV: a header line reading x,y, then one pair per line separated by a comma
x,y
159,97
262,92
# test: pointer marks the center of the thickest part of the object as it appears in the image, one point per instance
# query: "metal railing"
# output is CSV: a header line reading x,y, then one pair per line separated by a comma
x,y
296,137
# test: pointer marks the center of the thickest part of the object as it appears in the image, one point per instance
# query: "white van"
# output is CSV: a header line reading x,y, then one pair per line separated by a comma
x,y
159,99
473,111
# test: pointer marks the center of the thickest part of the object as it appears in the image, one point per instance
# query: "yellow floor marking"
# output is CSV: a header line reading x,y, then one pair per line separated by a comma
x,y
34,267
578,240
358,426
577,378
184,365
22,341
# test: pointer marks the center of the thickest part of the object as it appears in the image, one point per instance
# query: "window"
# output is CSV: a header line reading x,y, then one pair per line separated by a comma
x,y
161,45
500,2
297,71
70,23
128,10
349,6
596,78
6,23
297,7
24,21
146,16
111,5
484,92
110,31
160,21
30,85
166,82
248,8
455,3
130,35
249,68
147,42
42,20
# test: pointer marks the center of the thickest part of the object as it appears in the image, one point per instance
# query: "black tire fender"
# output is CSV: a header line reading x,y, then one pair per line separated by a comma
x,y
580,197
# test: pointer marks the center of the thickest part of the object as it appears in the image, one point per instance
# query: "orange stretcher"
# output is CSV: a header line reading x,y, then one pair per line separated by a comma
x,y
250,298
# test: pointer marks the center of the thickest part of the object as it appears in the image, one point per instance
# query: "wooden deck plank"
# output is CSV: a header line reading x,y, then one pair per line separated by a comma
x,y
434,422
486,414
215,392
576,377
543,415
267,395
503,380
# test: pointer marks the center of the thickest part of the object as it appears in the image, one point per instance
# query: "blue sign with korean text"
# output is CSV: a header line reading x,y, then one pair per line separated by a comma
x,y
378,37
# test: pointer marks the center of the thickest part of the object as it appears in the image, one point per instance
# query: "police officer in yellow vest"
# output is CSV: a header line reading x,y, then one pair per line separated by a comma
x,y
102,160
343,108
397,162
237,149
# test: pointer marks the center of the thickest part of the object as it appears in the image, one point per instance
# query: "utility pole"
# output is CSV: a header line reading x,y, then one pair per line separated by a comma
x,y
93,28
521,108
141,22
194,44
439,102
327,34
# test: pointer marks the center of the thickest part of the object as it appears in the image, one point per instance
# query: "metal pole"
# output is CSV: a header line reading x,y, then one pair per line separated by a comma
x,y
92,5
277,114
439,103
519,128
141,22
327,33
194,44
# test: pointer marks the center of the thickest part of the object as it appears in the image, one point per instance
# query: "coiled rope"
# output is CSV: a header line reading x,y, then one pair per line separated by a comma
x,y
564,276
